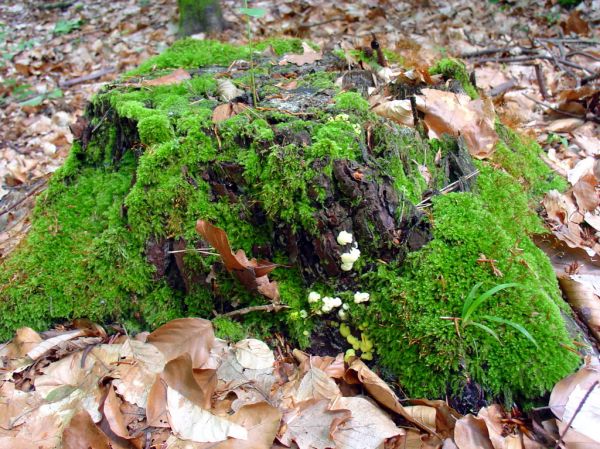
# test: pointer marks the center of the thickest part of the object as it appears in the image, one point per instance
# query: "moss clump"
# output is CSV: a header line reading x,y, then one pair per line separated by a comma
x,y
230,330
455,69
155,129
408,302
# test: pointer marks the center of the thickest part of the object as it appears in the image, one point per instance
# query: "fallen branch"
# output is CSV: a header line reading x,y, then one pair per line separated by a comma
x,y
577,410
92,76
265,308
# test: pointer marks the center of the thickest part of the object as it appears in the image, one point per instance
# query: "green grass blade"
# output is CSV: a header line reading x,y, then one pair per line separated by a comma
x,y
471,297
483,297
517,326
485,328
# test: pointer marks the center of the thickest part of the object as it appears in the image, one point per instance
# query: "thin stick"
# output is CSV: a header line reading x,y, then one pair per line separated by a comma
x,y
265,308
577,410
540,79
37,189
487,51
207,253
82,79
541,103
449,188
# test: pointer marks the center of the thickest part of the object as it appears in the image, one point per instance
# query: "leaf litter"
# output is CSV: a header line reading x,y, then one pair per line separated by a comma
x,y
90,396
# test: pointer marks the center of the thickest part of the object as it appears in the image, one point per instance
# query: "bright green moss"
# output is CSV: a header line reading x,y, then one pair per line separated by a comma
x,y
351,102
425,352
155,128
227,329
455,69
520,156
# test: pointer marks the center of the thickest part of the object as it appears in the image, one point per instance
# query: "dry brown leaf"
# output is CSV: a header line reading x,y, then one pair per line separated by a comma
x,y
83,433
458,115
587,193
358,372
564,125
315,384
575,24
567,397
262,422
190,422
288,86
446,416
180,376
253,354
310,56
368,427
175,77
25,339
112,413
251,273
156,409
46,345
423,413
584,299
194,336
311,425
472,433
400,111
227,110
333,367
39,432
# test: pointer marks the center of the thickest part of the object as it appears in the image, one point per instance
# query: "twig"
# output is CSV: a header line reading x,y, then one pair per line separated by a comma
x,y
487,51
200,251
502,88
540,79
57,5
582,53
92,76
577,410
449,188
546,105
324,22
265,308
566,40
587,79
35,190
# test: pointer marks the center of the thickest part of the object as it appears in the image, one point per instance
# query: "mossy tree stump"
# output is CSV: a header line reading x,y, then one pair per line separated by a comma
x,y
114,237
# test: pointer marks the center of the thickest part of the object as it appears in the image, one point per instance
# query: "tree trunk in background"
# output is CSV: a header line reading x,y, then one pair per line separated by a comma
x,y
199,16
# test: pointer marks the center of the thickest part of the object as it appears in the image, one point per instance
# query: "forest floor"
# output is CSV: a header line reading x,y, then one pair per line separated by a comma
x,y
538,61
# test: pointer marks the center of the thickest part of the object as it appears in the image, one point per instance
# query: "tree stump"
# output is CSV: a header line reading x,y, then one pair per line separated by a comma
x,y
114,237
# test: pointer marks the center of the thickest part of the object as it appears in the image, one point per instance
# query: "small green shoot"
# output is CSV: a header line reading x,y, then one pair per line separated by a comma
x,y
474,302
257,13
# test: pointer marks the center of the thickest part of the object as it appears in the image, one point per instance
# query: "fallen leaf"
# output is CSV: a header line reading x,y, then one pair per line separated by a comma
x,y
112,413
458,115
584,297
423,413
191,422
315,384
194,336
261,421
227,90
175,77
156,409
575,24
564,125
227,110
25,339
567,397
587,193
83,433
308,57
368,427
400,111
46,345
311,425
179,375
253,354
332,366
471,433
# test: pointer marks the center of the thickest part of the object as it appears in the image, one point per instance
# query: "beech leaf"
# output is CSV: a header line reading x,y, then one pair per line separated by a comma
x,y
308,57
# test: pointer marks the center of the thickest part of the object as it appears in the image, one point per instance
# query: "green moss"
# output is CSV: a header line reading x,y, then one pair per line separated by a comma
x,y
425,352
455,69
351,102
520,156
227,329
155,129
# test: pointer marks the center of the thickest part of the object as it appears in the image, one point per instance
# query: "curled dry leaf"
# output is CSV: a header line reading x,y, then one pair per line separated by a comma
x,y
112,413
252,273
191,422
308,57
179,375
254,354
358,372
194,336
333,367
156,408
458,115
399,111
227,90
175,77
315,384
586,193
368,427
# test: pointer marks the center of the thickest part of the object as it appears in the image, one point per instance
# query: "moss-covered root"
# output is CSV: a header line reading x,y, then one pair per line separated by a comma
x,y
452,68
